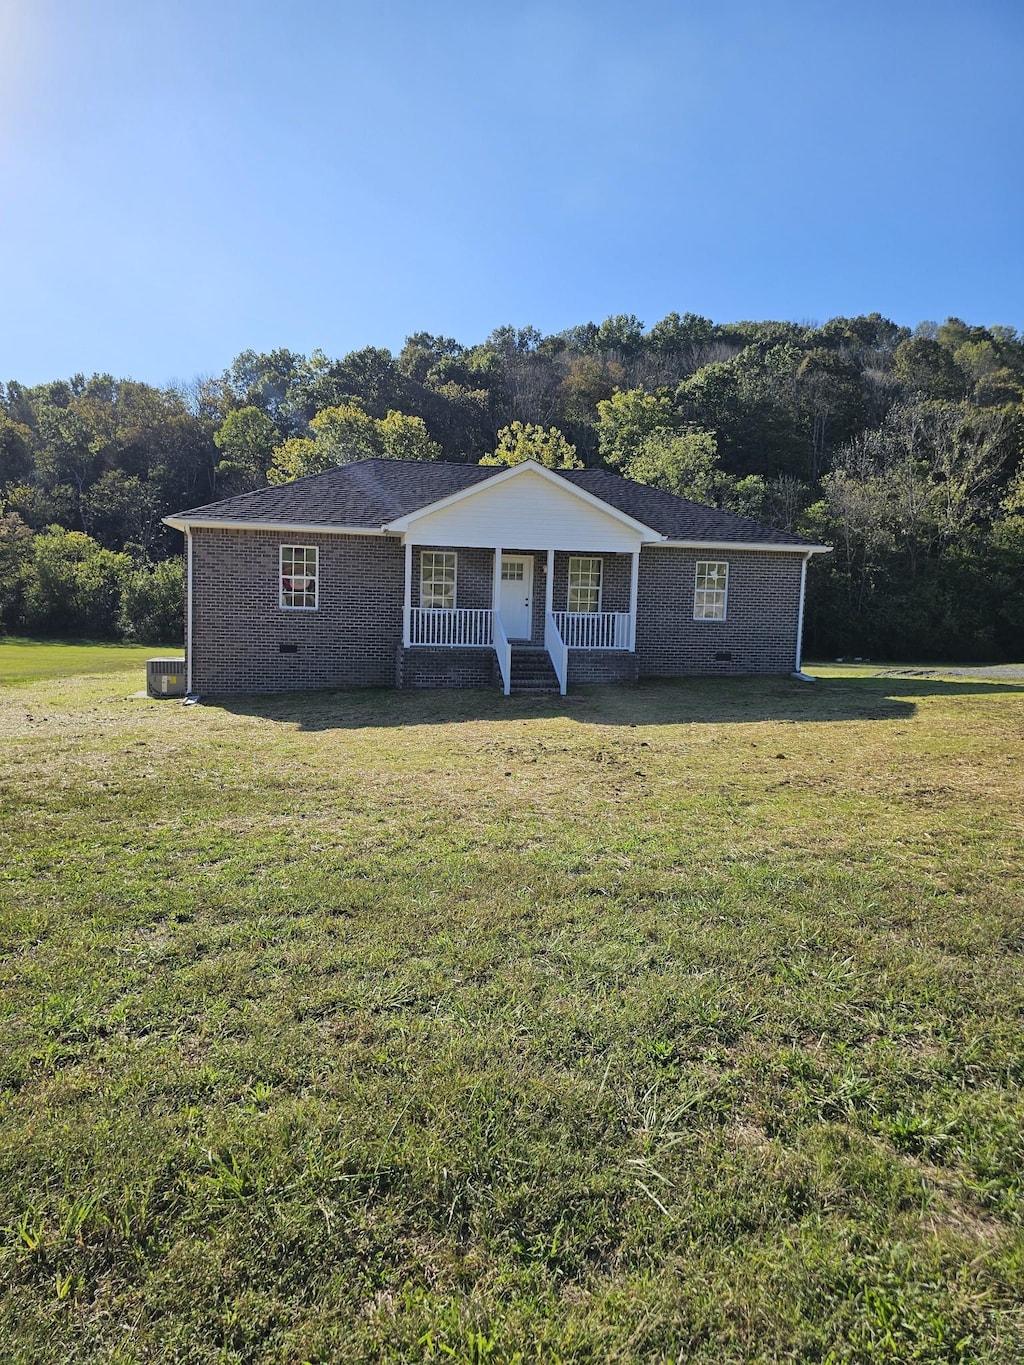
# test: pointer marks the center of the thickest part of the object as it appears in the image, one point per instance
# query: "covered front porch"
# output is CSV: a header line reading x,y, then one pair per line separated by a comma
x,y
514,602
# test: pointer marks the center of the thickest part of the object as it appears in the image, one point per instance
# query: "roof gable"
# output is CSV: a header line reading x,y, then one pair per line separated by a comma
x,y
525,500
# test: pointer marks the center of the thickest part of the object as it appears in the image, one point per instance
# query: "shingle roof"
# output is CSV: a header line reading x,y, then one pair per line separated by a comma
x,y
371,493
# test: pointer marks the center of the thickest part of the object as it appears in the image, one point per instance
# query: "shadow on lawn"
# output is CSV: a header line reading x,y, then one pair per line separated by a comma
x,y
700,701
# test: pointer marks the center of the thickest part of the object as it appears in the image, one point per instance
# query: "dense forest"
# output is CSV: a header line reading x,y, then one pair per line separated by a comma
x,y
902,449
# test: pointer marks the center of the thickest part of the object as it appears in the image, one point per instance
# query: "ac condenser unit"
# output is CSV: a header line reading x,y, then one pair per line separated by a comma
x,y
165,677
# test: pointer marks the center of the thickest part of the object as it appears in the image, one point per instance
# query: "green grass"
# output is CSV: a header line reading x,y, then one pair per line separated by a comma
x,y
679,1022
24,661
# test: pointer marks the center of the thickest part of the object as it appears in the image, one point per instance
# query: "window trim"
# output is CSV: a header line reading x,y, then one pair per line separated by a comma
x,y
443,554
579,559
293,606
716,565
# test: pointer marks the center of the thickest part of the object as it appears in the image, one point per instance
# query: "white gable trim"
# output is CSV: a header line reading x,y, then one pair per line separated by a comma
x,y
405,523
773,547
311,528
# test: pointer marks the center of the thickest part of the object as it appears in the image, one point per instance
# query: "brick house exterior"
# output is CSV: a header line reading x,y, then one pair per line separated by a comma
x,y
401,573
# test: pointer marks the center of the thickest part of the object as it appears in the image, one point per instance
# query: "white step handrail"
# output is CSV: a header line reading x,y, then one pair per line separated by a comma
x,y
504,652
558,651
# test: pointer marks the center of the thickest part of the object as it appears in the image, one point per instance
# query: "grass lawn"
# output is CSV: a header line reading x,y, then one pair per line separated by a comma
x,y
31,660
671,1023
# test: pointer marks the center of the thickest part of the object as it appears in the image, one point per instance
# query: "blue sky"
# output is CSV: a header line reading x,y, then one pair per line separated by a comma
x,y
184,180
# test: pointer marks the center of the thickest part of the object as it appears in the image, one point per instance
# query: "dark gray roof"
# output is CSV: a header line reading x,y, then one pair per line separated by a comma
x,y
373,492
367,493
677,518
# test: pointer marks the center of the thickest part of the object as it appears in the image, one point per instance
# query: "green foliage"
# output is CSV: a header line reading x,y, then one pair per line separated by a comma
x,y
153,602
15,559
347,433
74,585
628,418
247,436
524,441
684,462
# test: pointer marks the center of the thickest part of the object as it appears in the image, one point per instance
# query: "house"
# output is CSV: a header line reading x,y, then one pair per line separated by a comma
x,y
400,572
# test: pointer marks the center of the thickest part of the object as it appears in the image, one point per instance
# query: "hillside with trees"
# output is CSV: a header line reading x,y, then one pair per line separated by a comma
x,y
902,449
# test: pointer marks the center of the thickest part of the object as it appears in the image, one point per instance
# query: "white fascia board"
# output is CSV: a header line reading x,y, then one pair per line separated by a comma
x,y
745,545
646,533
310,528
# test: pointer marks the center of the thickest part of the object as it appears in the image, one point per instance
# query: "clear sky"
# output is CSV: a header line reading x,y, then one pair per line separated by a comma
x,y
185,179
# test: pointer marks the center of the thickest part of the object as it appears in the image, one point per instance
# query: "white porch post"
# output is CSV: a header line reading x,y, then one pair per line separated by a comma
x,y
634,585
496,594
407,606
549,587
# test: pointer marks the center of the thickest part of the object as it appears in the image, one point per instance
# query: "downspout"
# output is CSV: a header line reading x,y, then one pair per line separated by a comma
x,y
797,671
188,610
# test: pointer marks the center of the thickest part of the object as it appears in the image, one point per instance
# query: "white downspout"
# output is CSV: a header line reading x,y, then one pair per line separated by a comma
x,y
188,610
797,671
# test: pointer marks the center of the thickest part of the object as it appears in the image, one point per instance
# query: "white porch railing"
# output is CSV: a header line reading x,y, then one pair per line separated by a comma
x,y
438,626
558,651
504,652
593,629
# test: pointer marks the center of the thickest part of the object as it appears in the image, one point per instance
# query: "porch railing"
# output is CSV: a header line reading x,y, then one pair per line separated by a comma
x,y
438,626
504,652
558,651
593,629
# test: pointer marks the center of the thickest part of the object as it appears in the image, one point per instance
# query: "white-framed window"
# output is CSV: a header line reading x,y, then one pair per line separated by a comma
x,y
438,570
710,590
300,577
584,584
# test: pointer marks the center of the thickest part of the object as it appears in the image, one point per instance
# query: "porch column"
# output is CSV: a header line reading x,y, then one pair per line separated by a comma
x,y
496,593
407,605
634,583
549,587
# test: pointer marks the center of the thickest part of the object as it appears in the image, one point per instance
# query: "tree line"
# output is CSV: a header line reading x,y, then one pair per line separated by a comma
x,y
902,448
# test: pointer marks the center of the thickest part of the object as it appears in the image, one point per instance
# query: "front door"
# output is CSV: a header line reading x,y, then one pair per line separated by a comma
x,y
515,599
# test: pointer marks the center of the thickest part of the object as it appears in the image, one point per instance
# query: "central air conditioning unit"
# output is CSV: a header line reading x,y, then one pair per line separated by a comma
x,y
165,677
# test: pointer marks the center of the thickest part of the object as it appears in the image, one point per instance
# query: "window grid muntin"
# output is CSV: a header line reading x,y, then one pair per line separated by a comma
x,y
299,564
585,580
711,590
438,574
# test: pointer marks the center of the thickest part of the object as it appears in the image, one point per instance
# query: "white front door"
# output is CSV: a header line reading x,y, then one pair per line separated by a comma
x,y
515,599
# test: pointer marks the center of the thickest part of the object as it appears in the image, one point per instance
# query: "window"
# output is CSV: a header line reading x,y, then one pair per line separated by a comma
x,y
711,587
300,578
584,584
437,579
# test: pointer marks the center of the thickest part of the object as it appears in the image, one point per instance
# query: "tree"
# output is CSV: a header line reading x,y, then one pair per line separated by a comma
x,y
74,585
346,433
406,438
681,462
628,418
523,441
247,436
15,557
